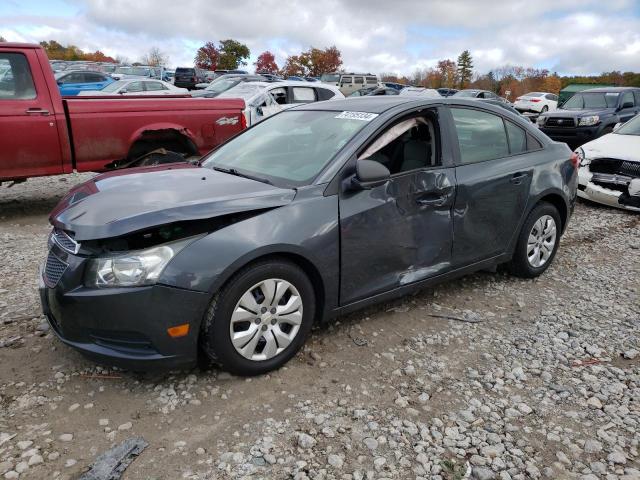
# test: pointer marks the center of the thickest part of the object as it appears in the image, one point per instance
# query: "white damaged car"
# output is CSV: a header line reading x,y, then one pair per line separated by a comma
x,y
610,167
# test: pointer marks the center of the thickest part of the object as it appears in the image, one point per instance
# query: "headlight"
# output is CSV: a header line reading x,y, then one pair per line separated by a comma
x,y
581,156
588,121
132,269
540,120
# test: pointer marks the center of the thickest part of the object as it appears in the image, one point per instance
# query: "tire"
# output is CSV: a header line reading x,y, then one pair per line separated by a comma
x,y
545,109
250,288
525,262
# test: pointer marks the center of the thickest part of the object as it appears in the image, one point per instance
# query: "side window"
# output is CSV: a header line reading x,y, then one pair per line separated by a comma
x,y
627,97
533,143
346,80
134,87
324,93
481,135
154,86
76,77
636,93
358,80
409,144
93,78
303,95
16,82
280,95
517,138
372,80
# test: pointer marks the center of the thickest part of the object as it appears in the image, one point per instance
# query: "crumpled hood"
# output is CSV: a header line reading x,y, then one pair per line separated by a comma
x,y
621,147
126,201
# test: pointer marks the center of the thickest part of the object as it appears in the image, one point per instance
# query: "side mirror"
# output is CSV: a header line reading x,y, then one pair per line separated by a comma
x,y
626,105
369,174
59,82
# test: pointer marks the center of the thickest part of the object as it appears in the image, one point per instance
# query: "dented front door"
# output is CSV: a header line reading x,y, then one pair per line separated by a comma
x,y
396,234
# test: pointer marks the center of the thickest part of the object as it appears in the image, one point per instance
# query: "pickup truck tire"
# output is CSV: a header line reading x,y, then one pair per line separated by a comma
x,y
540,231
243,340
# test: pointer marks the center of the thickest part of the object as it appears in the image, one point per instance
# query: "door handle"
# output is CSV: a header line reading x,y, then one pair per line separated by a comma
x,y
432,201
517,178
36,111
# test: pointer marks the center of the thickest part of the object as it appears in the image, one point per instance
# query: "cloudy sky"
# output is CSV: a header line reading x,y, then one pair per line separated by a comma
x,y
567,36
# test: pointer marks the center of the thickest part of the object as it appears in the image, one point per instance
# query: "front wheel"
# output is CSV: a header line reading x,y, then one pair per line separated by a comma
x,y
260,319
537,243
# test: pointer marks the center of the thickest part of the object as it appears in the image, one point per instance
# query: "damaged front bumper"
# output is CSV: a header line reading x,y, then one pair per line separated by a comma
x,y
610,182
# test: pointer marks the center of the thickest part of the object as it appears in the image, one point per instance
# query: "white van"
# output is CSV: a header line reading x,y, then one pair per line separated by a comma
x,y
350,82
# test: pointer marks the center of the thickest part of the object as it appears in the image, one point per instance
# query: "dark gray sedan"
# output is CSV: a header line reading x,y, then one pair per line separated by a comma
x,y
315,212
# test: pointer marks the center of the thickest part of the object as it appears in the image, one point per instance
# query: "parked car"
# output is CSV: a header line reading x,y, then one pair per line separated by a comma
x,y
45,134
610,167
536,102
376,91
420,92
503,105
295,78
138,87
72,82
264,99
272,77
473,93
137,71
224,83
186,77
349,83
312,79
590,114
318,211
447,92
397,86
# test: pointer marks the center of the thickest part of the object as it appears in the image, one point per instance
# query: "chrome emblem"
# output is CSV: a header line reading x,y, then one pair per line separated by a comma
x,y
227,121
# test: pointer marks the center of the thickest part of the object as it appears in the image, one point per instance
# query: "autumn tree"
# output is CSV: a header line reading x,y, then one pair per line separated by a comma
x,y
2,39
446,73
155,58
465,68
266,63
207,56
232,54
314,62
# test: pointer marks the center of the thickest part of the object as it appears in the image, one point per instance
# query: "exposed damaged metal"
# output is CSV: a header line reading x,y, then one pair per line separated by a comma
x,y
112,463
611,181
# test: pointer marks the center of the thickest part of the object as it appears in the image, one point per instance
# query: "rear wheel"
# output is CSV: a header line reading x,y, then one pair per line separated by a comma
x,y
545,109
260,319
537,243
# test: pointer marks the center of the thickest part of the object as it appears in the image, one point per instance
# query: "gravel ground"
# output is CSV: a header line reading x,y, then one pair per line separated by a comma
x,y
533,379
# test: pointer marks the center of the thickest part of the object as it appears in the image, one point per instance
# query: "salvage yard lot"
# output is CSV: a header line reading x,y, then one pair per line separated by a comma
x,y
528,379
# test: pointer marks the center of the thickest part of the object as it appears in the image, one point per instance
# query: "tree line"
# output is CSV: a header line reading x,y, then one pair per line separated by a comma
x,y
515,80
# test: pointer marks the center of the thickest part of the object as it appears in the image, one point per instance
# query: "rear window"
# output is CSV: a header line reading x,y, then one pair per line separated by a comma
x,y
185,71
534,94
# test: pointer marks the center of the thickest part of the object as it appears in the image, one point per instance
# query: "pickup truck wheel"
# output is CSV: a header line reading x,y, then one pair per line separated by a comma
x,y
537,243
260,319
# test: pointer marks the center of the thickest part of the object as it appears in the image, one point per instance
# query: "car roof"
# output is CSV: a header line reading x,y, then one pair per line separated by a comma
x,y
370,104
609,89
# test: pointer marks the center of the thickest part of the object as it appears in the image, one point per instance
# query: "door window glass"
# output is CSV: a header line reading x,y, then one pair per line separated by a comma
x,y
93,78
280,95
359,80
517,138
154,86
627,97
303,95
481,135
134,87
16,82
346,80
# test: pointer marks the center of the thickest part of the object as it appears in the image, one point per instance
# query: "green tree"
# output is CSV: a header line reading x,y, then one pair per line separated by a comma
x,y
465,68
232,54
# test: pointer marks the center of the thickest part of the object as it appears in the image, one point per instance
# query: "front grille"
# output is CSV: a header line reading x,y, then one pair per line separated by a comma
x,y
53,270
65,241
615,167
631,169
563,122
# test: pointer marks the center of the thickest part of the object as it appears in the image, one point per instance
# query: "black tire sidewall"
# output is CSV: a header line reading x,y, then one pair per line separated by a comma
x,y
217,342
520,262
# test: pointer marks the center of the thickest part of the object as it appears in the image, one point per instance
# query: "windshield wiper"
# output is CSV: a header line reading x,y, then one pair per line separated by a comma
x,y
233,171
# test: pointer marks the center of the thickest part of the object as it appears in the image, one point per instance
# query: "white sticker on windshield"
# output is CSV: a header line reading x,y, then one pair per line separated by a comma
x,y
364,116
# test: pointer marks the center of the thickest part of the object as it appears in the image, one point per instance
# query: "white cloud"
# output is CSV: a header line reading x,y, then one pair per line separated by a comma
x,y
570,36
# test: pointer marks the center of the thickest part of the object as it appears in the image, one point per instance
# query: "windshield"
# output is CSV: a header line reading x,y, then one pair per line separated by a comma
x,y
124,70
290,148
222,84
587,100
533,94
632,127
244,90
466,93
330,77
140,71
112,87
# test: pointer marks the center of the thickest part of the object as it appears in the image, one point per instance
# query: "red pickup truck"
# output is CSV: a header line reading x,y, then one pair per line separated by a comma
x,y
42,133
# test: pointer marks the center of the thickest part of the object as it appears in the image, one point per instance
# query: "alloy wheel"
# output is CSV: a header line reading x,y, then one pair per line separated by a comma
x,y
542,241
266,319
